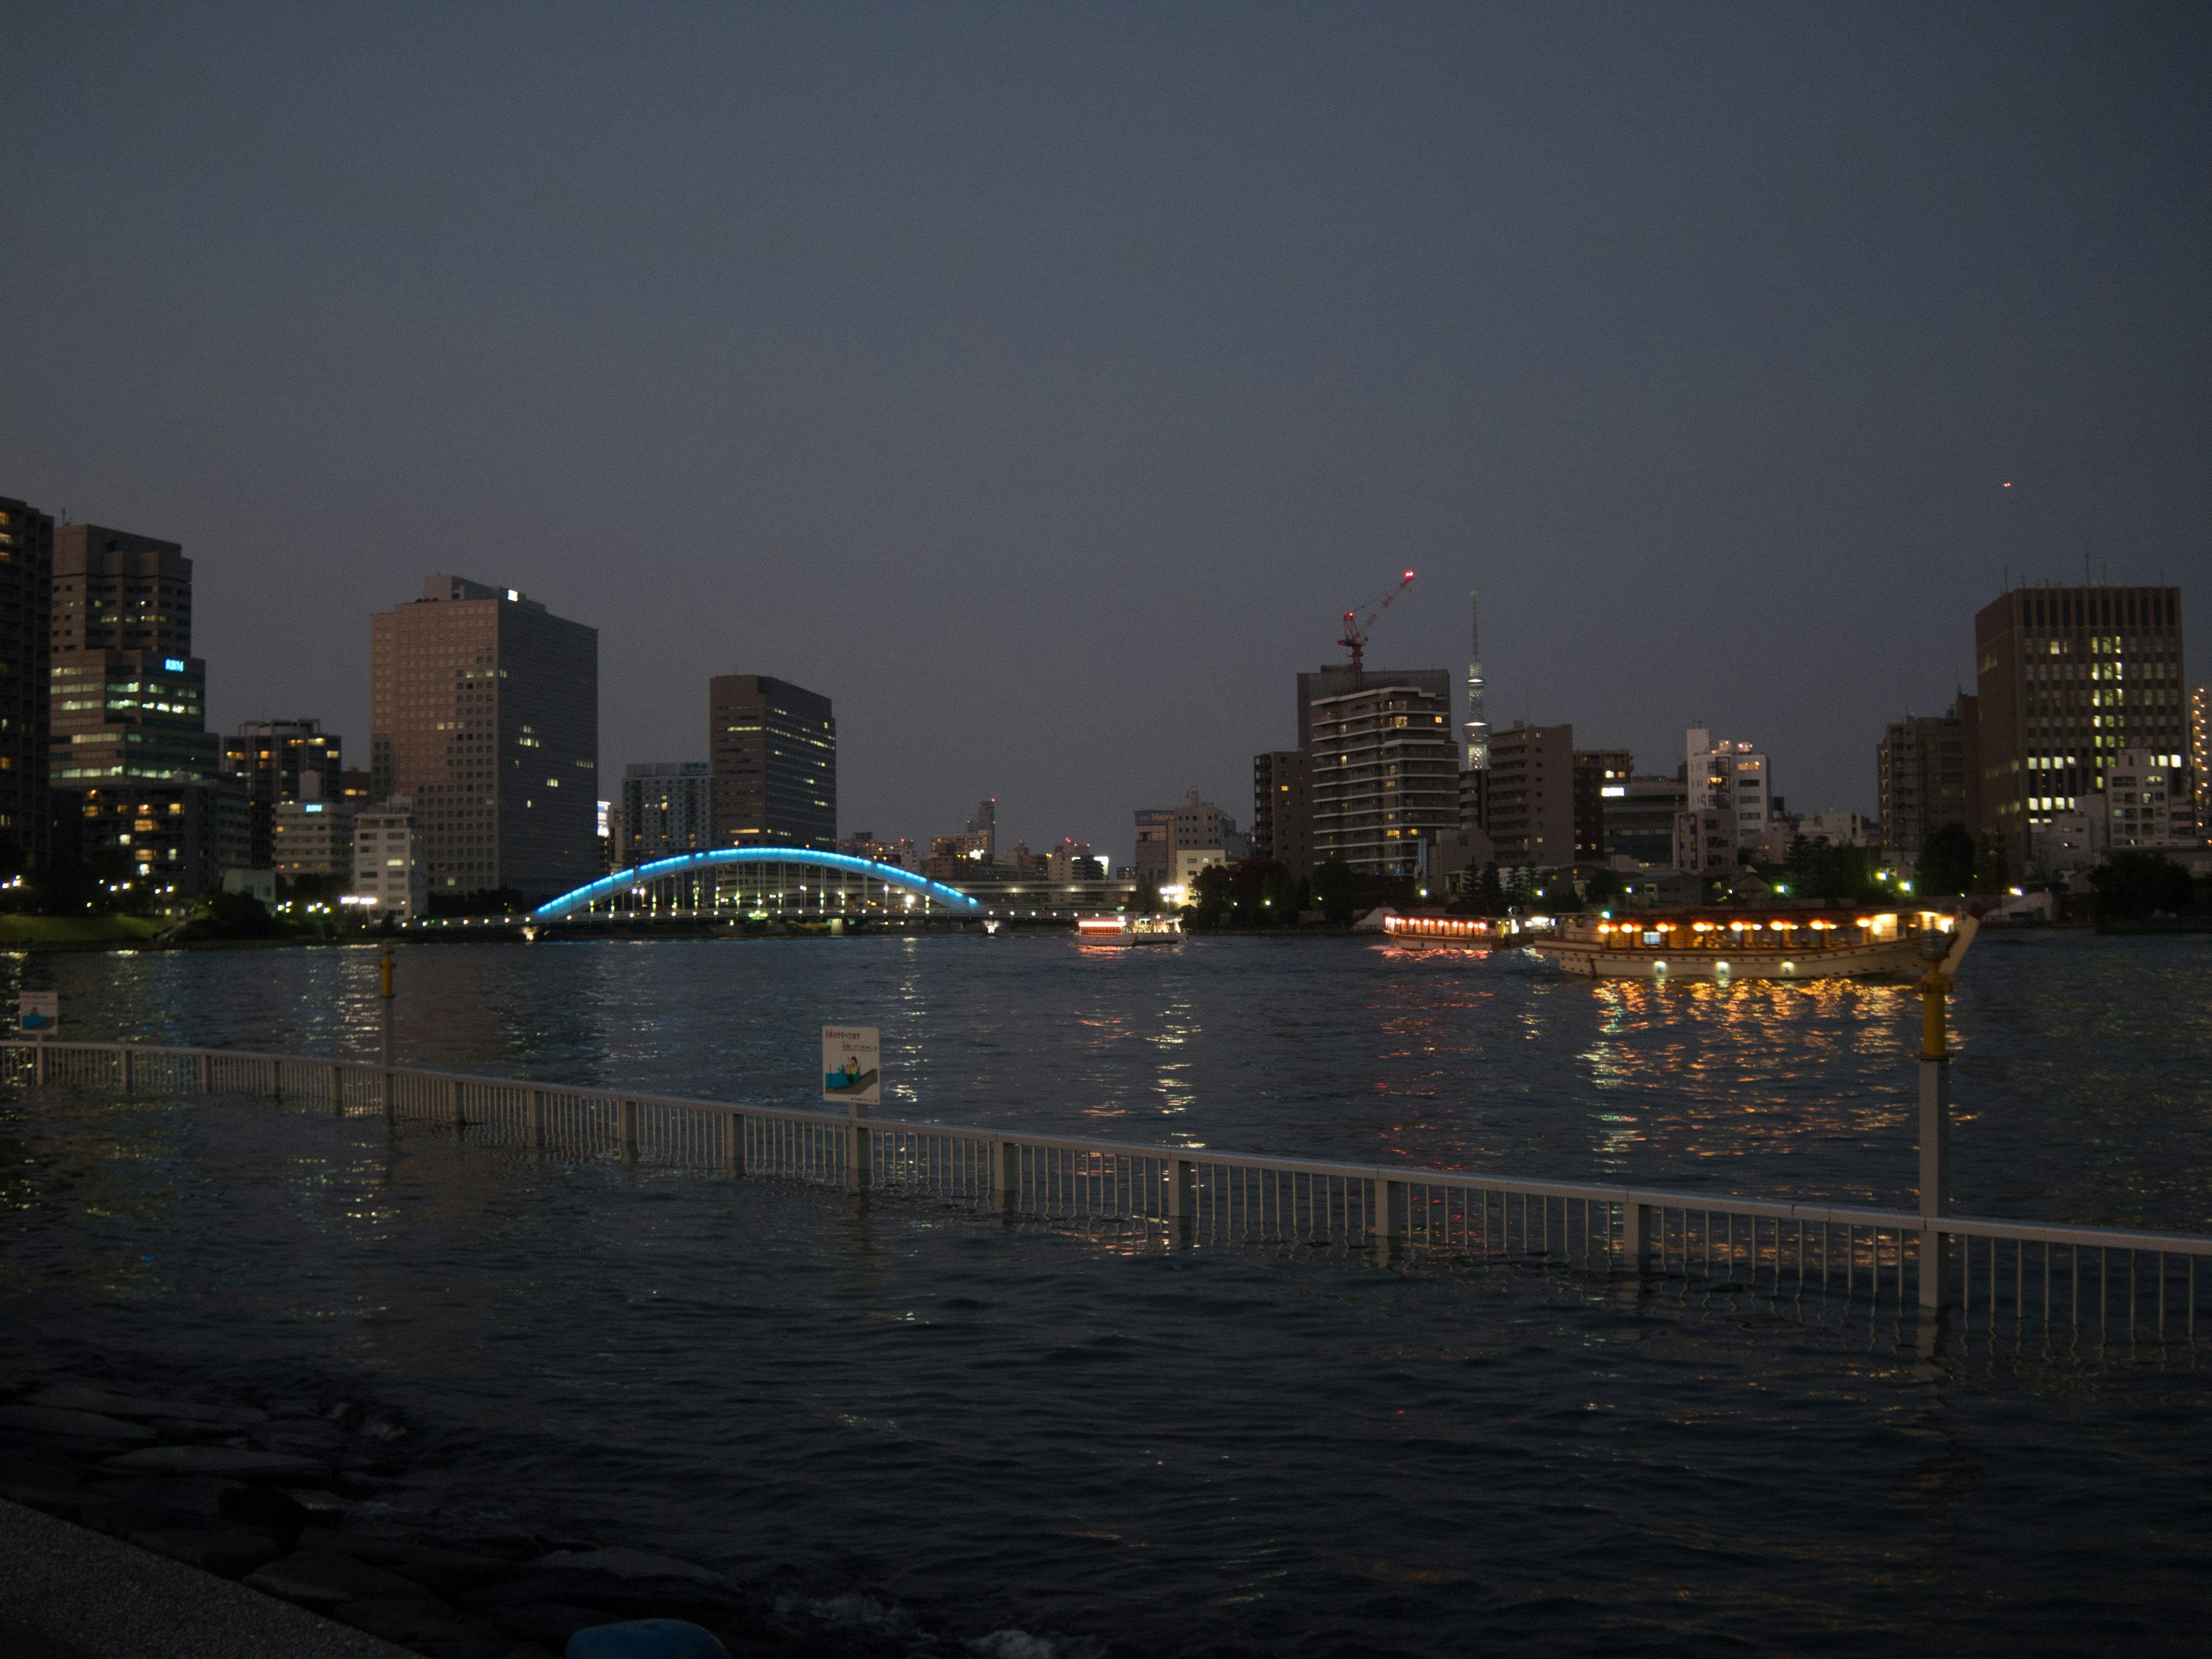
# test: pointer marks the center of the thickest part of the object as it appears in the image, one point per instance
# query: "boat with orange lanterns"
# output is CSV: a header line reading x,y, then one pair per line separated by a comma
x,y
1733,944
1444,932
1122,928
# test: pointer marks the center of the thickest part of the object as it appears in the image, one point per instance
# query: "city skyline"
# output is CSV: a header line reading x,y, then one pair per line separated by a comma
x,y
1006,378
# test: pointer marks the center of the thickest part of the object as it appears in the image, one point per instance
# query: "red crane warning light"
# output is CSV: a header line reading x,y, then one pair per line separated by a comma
x,y
1355,631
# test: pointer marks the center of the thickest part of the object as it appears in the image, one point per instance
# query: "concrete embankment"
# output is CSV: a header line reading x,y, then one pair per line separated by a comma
x,y
67,1592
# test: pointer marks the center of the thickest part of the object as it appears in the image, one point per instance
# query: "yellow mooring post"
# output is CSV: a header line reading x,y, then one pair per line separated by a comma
x,y
1934,1116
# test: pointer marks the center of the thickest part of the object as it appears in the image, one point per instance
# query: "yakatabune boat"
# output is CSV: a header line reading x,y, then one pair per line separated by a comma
x,y
1447,932
1744,945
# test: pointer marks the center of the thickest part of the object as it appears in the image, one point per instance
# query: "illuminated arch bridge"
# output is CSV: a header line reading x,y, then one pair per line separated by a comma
x,y
685,864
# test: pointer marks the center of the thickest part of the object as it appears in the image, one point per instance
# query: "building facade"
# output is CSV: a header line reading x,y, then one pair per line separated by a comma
x,y
1532,794
1282,809
2200,754
1733,778
26,572
1154,861
1927,776
1705,841
484,712
310,838
388,874
773,749
281,760
2068,678
1639,821
1385,772
667,808
160,847
2148,801
128,700
1601,777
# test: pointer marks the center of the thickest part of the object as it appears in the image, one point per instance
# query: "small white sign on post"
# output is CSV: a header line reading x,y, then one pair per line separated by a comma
x,y
37,1013
852,1065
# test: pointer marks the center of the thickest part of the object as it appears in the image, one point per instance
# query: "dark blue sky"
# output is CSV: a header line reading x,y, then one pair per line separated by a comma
x,y
1040,382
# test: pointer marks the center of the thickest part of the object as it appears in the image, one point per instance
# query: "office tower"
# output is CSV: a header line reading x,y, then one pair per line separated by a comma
x,y
1282,810
1601,776
2149,802
281,760
1927,776
1384,765
2068,678
26,569
1532,794
1639,821
388,877
1729,778
773,750
484,711
983,829
128,698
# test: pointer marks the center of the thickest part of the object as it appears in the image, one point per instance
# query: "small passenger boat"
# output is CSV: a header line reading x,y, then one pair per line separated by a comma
x,y
1443,932
1120,929
1744,945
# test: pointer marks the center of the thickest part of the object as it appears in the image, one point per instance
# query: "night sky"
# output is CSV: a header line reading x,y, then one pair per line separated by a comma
x,y
1040,382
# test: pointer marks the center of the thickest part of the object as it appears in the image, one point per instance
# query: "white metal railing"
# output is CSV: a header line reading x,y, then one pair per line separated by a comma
x,y
1986,1269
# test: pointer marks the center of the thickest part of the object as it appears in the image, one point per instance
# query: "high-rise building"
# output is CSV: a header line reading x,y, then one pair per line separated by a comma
x,y
1154,856
1639,821
1532,794
2068,678
1731,778
1927,776
281,760
773,750
2200,754
159,846
668,809
484,711
1384,765
27,571
1600,778
1282,810
128,698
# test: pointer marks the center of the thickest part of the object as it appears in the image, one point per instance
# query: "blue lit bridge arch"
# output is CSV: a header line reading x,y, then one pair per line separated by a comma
x,y
685,864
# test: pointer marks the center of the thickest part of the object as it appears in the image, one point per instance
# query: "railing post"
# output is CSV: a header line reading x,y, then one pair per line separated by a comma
x,y
733,1146
1006,1173
454,1113
123,1065
337,1090
538,1117
626,1123
275,1079
391,1093
39,1062
1183,1189
207,1072
857,1173
1388,1196
1635,1234
1935,1172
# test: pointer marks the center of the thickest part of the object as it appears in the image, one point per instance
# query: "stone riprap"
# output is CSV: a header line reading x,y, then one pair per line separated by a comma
x,y
283,1498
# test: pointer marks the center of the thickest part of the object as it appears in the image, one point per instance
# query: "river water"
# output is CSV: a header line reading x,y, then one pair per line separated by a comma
x,y
996,1426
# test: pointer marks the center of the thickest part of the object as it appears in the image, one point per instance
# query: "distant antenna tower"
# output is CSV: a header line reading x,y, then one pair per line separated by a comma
x,y
1478,729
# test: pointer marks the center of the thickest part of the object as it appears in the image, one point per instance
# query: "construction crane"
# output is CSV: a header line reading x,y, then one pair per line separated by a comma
x,y
1355,631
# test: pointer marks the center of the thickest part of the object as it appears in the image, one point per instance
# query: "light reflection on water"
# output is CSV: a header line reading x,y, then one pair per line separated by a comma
x,y
2081,1087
